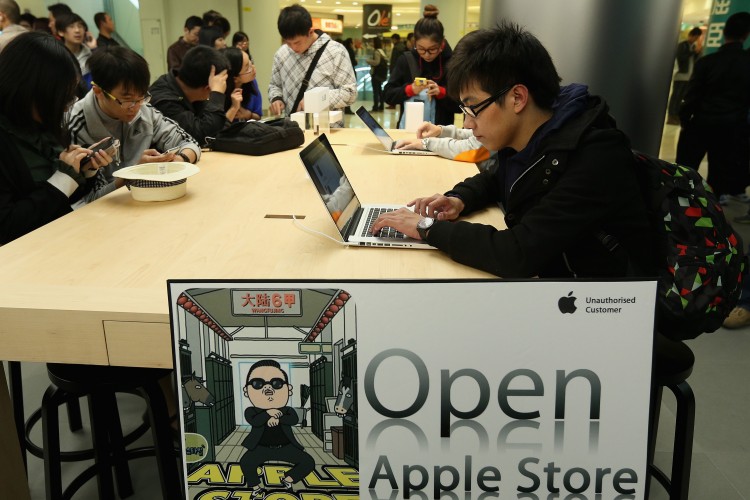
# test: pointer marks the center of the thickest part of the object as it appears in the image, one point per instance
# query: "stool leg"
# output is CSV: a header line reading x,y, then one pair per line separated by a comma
x,y
653,427
171,480
119,460
100,419
52,399
16,396
74,415
683,441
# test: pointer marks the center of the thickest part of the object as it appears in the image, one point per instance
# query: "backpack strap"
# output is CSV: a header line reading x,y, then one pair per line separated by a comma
x,y
413,68
306,79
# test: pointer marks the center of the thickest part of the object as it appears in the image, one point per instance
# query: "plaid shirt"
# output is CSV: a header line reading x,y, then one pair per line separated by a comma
x,y
334,70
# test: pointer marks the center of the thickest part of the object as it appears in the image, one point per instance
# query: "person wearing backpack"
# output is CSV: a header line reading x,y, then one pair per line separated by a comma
x,y
378,73
564,172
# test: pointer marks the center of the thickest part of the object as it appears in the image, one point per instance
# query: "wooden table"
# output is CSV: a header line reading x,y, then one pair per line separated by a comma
x,y
91,287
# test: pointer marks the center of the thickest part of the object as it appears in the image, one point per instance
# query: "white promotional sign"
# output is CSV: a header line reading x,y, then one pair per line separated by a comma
x,y
431,390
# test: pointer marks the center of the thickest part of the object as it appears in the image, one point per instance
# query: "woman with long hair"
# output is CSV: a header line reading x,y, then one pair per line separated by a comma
x,y
40,173
243,98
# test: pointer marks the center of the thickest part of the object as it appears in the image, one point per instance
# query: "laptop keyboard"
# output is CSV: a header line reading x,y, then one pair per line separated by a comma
x,y
386,232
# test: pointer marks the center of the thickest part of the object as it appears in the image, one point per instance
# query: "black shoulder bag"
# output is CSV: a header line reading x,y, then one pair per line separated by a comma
x,y
306,79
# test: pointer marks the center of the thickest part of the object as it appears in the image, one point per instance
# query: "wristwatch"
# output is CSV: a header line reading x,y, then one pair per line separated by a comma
x,y
423,226
424,144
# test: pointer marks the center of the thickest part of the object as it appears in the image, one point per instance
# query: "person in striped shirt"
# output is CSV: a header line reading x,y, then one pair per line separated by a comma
x,y
292,60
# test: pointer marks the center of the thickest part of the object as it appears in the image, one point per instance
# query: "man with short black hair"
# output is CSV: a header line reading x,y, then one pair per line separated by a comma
x,y
193,96
9,16
398,48
687,52
409,41
714,114
117,106
564,173
187,41
106,26
292,60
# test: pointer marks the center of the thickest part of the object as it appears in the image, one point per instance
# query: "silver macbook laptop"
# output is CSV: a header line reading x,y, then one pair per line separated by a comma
x,y
388,143
352,219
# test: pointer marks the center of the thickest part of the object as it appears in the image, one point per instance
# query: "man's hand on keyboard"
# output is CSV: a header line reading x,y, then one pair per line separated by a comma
x,y
403,220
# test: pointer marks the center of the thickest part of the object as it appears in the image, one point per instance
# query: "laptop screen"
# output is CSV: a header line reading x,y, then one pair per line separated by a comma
x,y
373,125
331,182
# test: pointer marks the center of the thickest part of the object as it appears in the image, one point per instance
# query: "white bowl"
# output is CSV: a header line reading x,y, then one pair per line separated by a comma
x,y
157,181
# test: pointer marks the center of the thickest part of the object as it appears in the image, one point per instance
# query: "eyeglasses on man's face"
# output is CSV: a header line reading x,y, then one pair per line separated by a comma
x,y
474,109
259,383
126,104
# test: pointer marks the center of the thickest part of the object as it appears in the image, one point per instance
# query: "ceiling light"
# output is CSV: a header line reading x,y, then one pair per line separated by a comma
x,y
398,13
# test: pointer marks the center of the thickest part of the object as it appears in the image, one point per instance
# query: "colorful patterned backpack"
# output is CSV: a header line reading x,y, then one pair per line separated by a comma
x,y
704,261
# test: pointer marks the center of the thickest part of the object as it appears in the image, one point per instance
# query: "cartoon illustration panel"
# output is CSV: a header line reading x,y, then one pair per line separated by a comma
x,y
268,392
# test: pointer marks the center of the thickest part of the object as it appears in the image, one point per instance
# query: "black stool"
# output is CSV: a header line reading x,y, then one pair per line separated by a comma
x,y
673,364
99,384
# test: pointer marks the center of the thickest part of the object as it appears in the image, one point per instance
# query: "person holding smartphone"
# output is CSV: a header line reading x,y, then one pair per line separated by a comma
x,y
422,71
118,106
41,174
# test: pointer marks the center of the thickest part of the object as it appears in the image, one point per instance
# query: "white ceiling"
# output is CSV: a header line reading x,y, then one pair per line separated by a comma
x,y
409,11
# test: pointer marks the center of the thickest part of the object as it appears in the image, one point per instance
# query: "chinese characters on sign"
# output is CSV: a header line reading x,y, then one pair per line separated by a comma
x,y
721,10
266,303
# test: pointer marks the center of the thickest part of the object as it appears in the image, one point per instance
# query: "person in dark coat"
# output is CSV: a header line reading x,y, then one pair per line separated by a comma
x,y
564,172
193,96
714,114
41,175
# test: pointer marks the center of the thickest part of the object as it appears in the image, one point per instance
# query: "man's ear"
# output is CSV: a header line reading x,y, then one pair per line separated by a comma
x,y
290,389
521,97
244,390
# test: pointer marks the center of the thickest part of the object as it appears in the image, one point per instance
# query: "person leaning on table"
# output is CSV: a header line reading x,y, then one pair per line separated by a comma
x,y
450,142
40,174
564,171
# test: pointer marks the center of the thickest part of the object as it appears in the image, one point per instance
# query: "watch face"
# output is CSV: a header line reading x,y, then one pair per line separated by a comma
x,y
425,222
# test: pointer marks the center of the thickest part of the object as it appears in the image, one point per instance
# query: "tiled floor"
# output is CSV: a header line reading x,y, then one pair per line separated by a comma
x,y
721,454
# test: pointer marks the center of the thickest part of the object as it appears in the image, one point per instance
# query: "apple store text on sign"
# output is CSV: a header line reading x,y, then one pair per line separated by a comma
x,y
253,302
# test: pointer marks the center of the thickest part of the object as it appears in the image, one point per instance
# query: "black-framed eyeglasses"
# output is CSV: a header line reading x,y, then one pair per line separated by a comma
x,y
258,383
433,50
474,109
126,104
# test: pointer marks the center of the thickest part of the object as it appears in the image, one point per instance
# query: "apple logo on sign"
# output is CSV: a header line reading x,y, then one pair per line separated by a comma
x,y
567,304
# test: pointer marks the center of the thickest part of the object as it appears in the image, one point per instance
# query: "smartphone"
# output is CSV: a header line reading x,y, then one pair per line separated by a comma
x,y
420,81
172,150
108,144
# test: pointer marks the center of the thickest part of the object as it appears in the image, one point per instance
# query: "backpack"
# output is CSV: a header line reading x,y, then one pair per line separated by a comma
x,y
700,280
258,138
381,70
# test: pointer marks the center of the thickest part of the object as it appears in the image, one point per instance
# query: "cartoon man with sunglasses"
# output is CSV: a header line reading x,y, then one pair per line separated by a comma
x,y
271,437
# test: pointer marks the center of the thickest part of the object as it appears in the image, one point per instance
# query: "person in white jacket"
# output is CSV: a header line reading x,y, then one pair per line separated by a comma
x,y
449,142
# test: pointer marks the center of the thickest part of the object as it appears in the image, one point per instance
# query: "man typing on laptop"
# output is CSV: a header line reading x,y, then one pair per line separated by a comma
x,y
563,173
